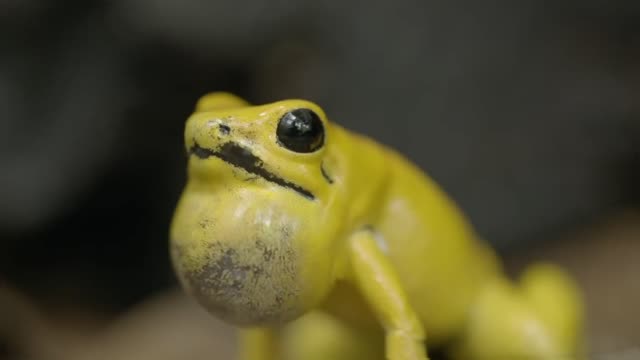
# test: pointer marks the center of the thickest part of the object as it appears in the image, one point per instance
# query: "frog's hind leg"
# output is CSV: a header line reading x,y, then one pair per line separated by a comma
x,y
320,336
540,318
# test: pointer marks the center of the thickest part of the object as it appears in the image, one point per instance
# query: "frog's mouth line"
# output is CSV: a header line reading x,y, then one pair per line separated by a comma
x,y
241,157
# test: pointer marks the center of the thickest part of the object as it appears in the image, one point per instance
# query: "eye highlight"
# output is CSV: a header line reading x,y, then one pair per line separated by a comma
x,y
301,130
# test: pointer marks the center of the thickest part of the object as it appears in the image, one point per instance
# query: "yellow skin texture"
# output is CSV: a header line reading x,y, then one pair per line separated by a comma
x,y
379,263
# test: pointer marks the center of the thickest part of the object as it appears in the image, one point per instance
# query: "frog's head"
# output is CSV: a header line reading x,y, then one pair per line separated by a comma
x,y
254,235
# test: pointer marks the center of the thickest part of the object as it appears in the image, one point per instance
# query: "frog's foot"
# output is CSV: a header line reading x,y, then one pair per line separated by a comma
x,y
540,319
320,336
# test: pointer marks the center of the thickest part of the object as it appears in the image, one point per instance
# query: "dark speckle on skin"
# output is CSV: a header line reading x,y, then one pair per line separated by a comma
x,y
224,129
267,253
222,274
369,228
286,232
257,270
204,223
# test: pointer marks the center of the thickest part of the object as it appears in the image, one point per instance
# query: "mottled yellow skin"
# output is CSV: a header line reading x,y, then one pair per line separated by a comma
x,y
381,263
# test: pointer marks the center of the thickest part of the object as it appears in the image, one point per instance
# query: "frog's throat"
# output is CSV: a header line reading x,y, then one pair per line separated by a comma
x,y
241,157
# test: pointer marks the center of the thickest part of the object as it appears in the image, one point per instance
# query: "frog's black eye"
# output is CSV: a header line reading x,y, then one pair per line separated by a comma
x,y
301,130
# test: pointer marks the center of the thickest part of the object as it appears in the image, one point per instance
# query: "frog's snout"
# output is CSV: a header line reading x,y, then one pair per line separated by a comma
x,y
245,286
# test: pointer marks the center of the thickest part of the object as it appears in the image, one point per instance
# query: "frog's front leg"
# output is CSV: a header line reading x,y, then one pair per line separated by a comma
x,y
258,344
376,278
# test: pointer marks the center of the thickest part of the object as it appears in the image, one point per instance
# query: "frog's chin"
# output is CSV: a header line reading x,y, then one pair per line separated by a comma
x,y
248,256
250,316
241,262
244,285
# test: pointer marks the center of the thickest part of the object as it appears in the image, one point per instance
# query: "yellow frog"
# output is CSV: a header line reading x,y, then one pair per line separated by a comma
x,y
322,244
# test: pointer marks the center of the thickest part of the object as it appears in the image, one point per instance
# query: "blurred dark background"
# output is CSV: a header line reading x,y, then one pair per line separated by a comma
x,y
526,112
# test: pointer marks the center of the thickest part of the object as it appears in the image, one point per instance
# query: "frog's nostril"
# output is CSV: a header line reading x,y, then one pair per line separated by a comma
x,y
224,129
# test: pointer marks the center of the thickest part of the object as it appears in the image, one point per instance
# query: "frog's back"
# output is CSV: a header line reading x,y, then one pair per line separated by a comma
x,y
435,250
